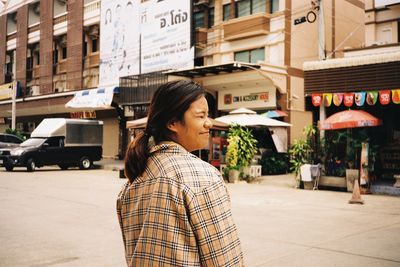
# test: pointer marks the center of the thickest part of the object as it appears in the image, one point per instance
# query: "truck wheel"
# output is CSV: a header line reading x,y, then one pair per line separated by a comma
x,y
30,165
85,163
8,167
63,166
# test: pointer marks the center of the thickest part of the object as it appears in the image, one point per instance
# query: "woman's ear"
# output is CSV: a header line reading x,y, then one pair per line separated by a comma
x,y
173,126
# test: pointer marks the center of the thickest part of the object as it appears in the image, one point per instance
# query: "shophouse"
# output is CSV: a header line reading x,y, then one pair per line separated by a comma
x,y
365,78
246,53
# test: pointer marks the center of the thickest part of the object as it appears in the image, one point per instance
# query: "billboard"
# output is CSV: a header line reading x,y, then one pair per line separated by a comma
x,y
140,36
119,45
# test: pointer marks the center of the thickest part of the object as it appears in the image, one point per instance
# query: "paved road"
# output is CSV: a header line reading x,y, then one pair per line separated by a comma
x,y
67,218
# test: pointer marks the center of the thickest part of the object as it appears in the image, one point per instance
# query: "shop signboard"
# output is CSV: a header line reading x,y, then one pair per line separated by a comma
x,y
6,91
143,36
251,98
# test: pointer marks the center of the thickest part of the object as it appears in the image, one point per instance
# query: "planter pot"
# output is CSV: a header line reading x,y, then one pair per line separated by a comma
x,y
351,176
233,176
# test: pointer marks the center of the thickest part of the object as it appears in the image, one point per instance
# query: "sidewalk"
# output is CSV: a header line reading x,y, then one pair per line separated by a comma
x,y
109,164
283,180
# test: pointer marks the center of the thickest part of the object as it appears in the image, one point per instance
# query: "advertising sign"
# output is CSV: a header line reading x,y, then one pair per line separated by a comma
x,y
119,40
143,36
6,91
165,32
251,98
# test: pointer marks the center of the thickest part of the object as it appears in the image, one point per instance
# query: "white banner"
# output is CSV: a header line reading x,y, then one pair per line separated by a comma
x,y
158,30
165,28
119,40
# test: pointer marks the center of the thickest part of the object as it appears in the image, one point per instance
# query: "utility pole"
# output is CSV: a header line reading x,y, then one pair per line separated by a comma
x,y
321,30
13,105
322,56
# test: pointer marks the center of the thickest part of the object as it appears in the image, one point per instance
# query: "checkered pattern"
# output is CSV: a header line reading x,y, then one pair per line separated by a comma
x,y
178,214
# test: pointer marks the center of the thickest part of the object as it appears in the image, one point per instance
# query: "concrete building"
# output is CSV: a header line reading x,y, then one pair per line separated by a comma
x,y
246,53
366,78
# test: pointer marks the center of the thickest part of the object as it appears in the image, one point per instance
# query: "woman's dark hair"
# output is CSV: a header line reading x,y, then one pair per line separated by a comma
x,y
169,103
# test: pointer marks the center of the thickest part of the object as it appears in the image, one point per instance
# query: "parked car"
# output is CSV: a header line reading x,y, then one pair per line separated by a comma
x,y
62,142
9,140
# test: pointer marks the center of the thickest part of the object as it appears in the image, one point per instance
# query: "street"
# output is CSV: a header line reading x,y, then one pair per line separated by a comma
x,y
67,218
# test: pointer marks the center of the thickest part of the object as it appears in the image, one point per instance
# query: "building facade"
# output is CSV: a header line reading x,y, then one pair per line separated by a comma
x,y
246,53
366,78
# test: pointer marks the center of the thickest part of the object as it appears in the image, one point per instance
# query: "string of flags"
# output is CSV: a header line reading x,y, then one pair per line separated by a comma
x,y
359,98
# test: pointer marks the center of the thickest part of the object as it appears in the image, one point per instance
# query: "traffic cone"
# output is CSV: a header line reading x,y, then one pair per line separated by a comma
x,y
356,197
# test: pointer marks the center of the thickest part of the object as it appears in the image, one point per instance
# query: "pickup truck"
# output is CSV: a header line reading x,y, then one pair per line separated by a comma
x,y
62,142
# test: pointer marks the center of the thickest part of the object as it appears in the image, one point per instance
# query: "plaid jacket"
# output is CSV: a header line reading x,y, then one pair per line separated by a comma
x,y
178,213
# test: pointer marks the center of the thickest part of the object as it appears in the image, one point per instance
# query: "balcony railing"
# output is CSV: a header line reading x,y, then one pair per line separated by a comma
x,y
93,6
92,60
244,27
60,67
201,37
60,19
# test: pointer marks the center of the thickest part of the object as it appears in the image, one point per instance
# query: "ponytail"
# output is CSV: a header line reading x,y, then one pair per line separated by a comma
x,y
136,156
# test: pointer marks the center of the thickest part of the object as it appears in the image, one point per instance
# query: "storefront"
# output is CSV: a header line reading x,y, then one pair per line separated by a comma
x,y
30,111
371,83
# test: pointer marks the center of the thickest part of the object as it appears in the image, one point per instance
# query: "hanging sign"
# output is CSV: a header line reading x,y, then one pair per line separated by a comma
x,y
396,96
372,97
359,98
327,100
384,97
348,99
316,99
337,99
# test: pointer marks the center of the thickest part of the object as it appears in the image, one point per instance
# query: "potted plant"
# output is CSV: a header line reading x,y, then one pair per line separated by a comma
x,y
303,152
299,155
240,151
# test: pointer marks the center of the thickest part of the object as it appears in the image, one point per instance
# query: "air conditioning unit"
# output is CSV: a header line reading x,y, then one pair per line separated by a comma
x,y
36,8
35,90
94,32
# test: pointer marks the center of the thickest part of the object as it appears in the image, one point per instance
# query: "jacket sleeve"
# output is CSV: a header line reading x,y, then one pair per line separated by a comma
x,y
211,220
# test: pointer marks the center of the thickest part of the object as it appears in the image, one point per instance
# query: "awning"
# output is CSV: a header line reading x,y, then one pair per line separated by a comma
x,y
93,98
214,69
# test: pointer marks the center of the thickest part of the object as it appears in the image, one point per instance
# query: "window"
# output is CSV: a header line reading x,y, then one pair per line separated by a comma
x,y
210,17
94,45
227,12
198,19
248,7
199,61
250,56
274,6
84,49
64,53
243,8
55,56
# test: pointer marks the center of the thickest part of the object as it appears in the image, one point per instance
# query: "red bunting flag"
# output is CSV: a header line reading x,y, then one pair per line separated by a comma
x,y
384,97
316,99
348,99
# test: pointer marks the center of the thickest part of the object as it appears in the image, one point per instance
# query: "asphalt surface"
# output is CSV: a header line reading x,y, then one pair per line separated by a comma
x,y
67,218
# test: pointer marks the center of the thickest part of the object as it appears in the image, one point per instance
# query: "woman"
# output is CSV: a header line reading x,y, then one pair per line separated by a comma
x,y
175,209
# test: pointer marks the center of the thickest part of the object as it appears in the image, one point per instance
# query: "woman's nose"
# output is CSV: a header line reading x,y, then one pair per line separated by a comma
x,y
208,124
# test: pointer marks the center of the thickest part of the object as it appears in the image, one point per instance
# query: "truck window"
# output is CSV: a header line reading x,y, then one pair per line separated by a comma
x,y
55,141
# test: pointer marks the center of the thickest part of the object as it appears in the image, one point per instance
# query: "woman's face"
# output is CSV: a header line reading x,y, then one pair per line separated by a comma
x,y
193,132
